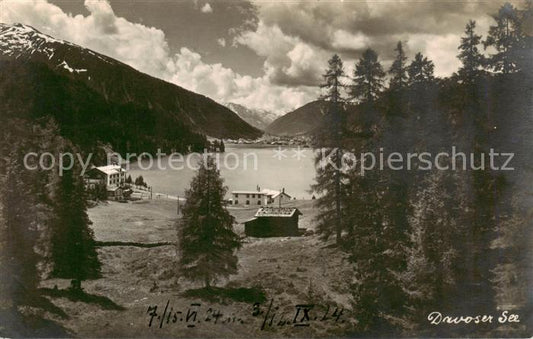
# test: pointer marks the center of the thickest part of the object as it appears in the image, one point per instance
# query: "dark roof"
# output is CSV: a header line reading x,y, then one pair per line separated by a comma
x,y
277,212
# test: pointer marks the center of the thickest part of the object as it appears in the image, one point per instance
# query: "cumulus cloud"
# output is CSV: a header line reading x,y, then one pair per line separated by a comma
x,y
103,16
207,8
344,40
146,49
223,83
293,40
441,49
348,28
288,60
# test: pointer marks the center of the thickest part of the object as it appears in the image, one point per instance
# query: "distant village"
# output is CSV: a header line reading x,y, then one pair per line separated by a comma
x,y
301,140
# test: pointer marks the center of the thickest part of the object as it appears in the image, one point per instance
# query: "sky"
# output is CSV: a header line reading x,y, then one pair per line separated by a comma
x,y
266,55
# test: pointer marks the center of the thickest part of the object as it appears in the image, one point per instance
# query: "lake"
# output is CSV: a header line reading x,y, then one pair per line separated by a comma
x,y
243,167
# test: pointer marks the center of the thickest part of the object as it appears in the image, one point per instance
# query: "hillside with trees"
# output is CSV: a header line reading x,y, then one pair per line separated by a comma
x,y
94,98
44,228
431,239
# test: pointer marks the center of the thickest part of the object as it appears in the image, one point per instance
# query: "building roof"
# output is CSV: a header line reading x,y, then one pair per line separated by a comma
x,y
110,169
248,192
274,193
264,191
277,212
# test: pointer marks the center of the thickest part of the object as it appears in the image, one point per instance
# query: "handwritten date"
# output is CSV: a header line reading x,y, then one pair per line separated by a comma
x,y
302,316
190,317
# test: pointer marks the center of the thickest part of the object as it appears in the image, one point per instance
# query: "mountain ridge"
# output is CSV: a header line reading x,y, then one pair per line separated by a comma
x,y
118,84
301,121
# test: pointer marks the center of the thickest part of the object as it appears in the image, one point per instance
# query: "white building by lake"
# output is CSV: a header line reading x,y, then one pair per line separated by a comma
x,y
259,197
111,175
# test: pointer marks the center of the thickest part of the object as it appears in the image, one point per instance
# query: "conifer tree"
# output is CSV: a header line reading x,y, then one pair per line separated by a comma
x,y
25,211
20,232
469,54
420,70
206,240
398,70
139,181
328,160
378,297
507,38
73,248
333,80
368,77
437,243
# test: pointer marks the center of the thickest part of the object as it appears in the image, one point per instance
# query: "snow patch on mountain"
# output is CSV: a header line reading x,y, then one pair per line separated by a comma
x,y
26,39
21,41
70,69
256,117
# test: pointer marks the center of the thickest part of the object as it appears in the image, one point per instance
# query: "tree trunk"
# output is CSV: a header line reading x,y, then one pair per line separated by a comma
x,y
338,227
338,198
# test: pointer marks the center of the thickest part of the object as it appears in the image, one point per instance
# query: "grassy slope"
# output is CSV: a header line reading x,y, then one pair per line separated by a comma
x,y
290,270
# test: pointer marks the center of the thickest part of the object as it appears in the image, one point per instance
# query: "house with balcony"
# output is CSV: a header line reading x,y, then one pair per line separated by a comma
x,y
110,175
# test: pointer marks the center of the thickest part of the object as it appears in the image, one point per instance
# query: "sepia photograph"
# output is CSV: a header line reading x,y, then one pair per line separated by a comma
x,y
266,168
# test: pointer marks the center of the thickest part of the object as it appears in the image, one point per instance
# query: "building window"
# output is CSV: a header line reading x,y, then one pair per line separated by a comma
x,y
247,202
259,202
247,195
236,202
235,195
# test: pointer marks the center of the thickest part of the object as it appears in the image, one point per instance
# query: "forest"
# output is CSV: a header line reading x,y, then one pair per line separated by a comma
x,y
427,240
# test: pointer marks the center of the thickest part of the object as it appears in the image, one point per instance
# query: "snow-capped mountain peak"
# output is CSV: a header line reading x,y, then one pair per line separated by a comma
x,y
256,117
83,81
24,42
20,39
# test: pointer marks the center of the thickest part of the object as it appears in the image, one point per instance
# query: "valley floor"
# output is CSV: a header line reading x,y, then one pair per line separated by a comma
x,y
291,271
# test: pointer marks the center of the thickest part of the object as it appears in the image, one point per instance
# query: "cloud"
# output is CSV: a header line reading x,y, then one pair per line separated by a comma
x,y
293,39
207,8
103,16
348,28
306,64
345,41
441,49
227,86
146,49
288,60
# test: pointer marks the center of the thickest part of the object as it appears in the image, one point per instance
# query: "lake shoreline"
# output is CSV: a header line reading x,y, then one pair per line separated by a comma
x,y
242,168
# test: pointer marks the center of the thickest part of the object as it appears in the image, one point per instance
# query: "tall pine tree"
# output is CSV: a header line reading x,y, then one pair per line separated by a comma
x,y
507,38
368,77
398,69
207,242
469,54
328,161
73,247
26,210
420,70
